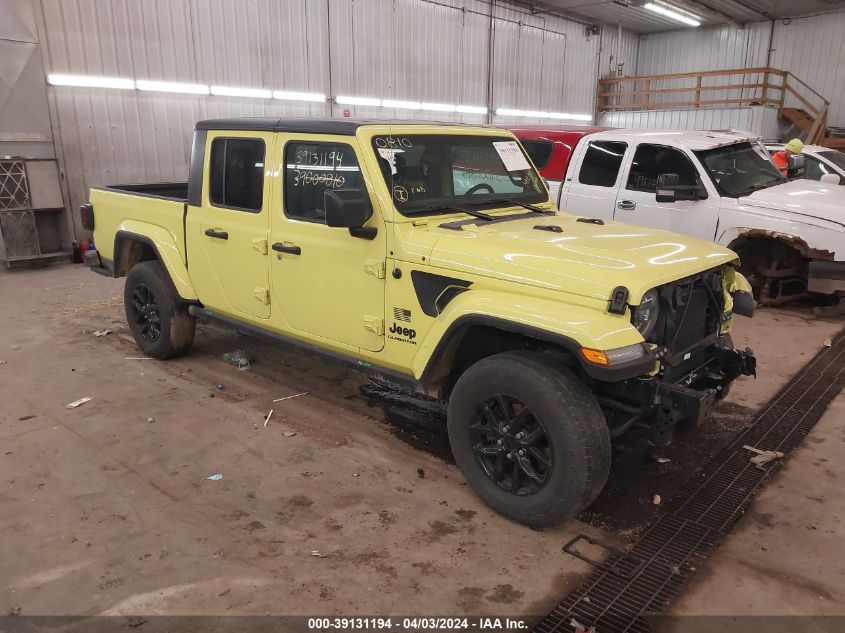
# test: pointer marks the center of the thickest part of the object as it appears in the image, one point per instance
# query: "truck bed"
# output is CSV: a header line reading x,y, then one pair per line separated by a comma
x,y
155,210
169,190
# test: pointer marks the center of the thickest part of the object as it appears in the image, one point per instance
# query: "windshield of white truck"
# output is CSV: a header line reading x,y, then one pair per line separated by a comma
x,y
740,170
434,173
835,157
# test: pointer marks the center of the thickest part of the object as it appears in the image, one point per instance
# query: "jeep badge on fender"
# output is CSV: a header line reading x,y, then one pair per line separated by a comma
x,y
400,331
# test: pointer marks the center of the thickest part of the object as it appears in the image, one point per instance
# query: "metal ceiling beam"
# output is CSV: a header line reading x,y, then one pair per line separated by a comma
x,y
707,7
750,6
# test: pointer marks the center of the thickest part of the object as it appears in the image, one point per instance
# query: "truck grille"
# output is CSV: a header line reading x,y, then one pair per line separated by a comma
x,y
690,312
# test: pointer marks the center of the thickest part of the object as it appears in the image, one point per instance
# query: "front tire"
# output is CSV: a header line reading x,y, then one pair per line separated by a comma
x,y
157,318
529,438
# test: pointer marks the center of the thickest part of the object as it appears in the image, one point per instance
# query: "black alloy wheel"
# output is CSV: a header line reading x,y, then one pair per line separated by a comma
x,y
146,312
511,445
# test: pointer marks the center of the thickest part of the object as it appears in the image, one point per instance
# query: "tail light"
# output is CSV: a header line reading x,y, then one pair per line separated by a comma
x,y
86,214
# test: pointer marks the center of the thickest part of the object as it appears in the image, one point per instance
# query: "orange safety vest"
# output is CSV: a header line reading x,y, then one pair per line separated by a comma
x,y
781,160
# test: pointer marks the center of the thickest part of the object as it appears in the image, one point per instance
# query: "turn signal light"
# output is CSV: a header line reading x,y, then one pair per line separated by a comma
x,y
595,356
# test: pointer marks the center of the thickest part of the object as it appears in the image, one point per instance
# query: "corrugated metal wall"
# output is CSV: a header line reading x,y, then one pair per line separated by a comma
x,y
420,50
812,49
24,118
628,53
757,119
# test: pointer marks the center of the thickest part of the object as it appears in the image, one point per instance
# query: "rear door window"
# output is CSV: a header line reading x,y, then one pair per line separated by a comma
x,y
539,152
601,163
236,174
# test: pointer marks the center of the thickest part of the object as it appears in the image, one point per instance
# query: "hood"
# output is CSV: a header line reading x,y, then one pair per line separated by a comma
x,y
585,259
807,198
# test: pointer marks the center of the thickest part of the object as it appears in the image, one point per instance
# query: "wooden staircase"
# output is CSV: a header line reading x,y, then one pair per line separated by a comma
x,y
813,127
797,103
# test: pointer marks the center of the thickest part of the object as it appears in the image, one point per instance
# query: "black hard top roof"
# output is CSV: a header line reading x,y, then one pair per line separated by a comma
x,y
307,126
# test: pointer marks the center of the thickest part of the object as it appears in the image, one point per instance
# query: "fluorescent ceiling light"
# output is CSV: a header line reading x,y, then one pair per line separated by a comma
x,y
471,109
404,105
88,81
439,107
509,112
673,14
571,117
170,86
226,91
537,114
299,96
362,101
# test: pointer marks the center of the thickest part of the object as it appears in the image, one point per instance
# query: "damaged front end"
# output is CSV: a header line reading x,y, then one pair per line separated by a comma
x,y
688,331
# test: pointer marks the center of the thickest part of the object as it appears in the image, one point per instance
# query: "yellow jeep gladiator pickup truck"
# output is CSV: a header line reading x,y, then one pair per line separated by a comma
x,y
431,256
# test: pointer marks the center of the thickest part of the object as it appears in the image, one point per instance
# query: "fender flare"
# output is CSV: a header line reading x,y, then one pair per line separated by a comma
x,y
569,327
165,248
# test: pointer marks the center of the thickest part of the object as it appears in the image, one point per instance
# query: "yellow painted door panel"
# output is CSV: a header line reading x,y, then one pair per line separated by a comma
x,y
325,282
228,249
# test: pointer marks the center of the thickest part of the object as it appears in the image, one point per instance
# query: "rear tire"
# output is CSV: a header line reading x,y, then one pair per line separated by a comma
x,y
565,443
157,317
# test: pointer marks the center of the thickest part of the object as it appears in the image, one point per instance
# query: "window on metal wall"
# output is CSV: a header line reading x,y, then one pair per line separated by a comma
x,y
237,173
539,152
652,160
601,163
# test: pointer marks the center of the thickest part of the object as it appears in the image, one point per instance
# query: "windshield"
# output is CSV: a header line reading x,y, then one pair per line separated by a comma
x,y
429,173
740,170
837,158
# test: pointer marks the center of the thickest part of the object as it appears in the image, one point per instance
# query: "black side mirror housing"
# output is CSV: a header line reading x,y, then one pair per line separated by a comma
x,y
347,208
795,166
670,189
667,187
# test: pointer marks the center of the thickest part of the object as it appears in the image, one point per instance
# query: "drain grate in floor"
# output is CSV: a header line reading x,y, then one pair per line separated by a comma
x,y
642,582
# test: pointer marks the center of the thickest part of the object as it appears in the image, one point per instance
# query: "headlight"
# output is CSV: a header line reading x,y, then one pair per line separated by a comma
x,y
645,315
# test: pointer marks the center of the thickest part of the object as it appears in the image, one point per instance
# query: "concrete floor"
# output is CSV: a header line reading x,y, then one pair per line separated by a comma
x,y
103,511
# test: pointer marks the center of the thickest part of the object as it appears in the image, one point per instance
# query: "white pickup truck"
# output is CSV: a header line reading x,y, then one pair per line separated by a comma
x,y
789,233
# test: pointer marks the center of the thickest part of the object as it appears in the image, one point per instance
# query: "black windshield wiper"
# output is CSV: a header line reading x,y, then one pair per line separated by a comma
x,y
515,203
447,207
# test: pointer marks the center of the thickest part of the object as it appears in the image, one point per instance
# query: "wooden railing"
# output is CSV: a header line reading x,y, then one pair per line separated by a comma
x,y
706,88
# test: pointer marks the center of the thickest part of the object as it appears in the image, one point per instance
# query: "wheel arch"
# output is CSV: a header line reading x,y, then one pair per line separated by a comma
x,y
473,337
740,238
132,247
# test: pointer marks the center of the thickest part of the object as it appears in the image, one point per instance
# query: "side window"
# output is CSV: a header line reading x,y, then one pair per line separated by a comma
x,y
237,173
539,152
601,163
652,160
313,168
815,169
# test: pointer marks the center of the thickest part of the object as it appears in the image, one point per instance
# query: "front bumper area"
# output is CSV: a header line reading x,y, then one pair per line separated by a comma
x,y
688,399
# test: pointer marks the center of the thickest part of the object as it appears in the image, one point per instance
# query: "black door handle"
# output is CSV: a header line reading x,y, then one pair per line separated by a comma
x,y
627,205
281,248
220,235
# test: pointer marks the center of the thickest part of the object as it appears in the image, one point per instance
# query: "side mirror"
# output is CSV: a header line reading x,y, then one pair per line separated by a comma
x,y
795,166
670,189
831,179
667,187
347,208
